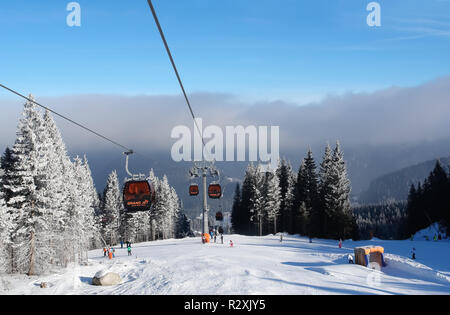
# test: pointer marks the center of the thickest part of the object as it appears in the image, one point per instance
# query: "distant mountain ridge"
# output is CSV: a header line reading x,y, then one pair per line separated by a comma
x,y
396,185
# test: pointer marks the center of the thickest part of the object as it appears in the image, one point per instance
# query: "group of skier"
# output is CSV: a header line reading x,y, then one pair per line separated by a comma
x,y
213,233
110,252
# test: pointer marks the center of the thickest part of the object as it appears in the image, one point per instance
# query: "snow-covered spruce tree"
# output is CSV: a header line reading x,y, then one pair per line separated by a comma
x,y
162,208
299,211
6,180
94,202
272,199
257,199
30,203
183,228
63,194
7,165
326,191
307,197
81,218
287,185
6,228
335,195
174,211
236,217
112,208
165,212
58,171
246,218
152,217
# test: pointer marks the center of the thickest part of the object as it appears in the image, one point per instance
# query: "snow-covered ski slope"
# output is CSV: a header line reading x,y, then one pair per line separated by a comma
x,y
254,266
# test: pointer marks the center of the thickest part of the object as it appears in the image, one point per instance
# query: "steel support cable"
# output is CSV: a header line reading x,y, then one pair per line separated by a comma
x,y
161,33
67,118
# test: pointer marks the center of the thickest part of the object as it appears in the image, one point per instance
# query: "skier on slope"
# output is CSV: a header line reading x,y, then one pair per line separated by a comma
x,y
340,243
350,259
231,243
129,249
413,254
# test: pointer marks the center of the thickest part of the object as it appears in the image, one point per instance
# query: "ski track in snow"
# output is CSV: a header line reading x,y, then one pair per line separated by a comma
x,y
254,266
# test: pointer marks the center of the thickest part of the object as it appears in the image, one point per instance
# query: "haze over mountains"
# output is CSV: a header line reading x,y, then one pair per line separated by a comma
x,y
380,132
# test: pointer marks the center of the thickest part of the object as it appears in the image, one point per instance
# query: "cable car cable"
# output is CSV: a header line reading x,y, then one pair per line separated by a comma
x,y
68,119
155,17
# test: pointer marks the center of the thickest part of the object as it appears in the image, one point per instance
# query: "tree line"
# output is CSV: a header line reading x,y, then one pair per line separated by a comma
x,y
386,220
50,211
314,202
429,202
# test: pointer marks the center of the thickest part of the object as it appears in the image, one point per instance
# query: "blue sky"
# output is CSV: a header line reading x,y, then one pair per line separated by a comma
x,y
292,50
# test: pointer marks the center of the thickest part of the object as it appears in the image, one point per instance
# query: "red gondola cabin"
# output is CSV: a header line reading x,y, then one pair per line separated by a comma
x,y
215,191
193,190
138,196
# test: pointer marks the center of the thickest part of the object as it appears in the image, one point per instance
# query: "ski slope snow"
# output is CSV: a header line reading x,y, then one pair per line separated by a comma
x,y
253,266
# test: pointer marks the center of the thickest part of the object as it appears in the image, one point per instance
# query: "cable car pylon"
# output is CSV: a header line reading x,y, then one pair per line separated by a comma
x,y
204,170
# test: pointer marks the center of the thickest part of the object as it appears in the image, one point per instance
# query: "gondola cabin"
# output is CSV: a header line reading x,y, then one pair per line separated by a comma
x,y
193,190
215,191
219,216
138,195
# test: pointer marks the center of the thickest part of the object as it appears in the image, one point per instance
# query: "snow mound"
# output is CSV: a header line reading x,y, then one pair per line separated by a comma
x,y
407,268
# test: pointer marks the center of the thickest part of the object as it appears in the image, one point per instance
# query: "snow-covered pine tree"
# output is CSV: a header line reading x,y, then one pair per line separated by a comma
x,y
63,195
272,199
32,253
163,208
326,190
112,208
6,222
307,197
94,202
299,211
183,229
246,217
7,165
287,185
174,211
153,179
336,197
236,217
82,215
258,199
6,228
152,217
57,167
